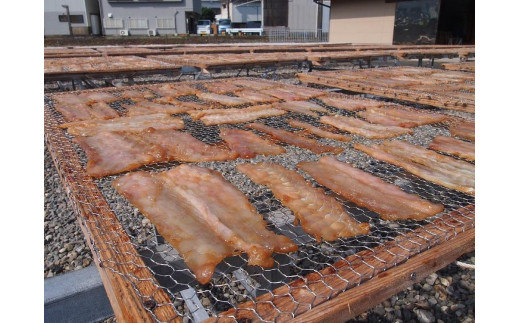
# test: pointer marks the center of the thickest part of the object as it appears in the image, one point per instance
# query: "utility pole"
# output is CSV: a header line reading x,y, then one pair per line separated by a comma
x,y
227,7
68,17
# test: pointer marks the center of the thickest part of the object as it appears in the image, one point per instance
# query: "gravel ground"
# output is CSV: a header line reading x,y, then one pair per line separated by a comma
x,y
445,296
65,246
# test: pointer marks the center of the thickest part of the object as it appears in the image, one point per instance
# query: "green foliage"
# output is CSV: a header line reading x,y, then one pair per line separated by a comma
x,y
207,13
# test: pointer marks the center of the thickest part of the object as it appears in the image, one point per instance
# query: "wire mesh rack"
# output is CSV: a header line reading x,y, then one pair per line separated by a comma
x,y
146,278
452,90
101,64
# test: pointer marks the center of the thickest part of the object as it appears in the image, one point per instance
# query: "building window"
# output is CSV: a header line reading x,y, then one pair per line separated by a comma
x,y
276,13
138,23
75,19
416,22
113,23
165,23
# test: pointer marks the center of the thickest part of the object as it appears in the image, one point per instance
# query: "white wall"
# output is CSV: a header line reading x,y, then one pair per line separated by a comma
x,y
55,5
245,13
303,15
53,9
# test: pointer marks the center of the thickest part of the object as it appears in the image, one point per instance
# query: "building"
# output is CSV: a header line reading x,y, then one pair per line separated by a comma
x,y
244,11
121,17
145,17
84,17
290,15
307,15
402,22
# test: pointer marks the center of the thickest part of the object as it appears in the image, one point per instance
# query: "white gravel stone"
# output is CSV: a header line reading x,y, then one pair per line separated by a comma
x,y
431,279
425,316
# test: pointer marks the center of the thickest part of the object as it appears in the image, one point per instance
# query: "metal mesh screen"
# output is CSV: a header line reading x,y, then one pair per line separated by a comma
x,y
451,90
126,243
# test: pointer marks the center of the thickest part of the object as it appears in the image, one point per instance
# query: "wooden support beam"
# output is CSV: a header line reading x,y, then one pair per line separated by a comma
x,y
364,297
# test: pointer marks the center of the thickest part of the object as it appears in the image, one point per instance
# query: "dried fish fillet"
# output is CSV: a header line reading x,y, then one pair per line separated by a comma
x,y
283,94
126,124
191,105
137,95
172,90
294,139
222,99
363,128
115,152
222,87
203,216
69,99
247,144
184,147
229,112
81,111
146,107
100,97
464,130
304,107
84,98
229,213
349,103
319,214
239,115
112,152
176,220
303,91
74,112
369,191
454,147
446,171
101,110
251,84
256,97
399,117
318,131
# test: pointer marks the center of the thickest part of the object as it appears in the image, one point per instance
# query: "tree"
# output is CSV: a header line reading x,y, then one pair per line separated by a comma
x,y
207,13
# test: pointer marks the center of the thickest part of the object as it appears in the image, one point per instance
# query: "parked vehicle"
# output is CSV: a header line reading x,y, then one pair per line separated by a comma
x,y
224,25
246,28
204,27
